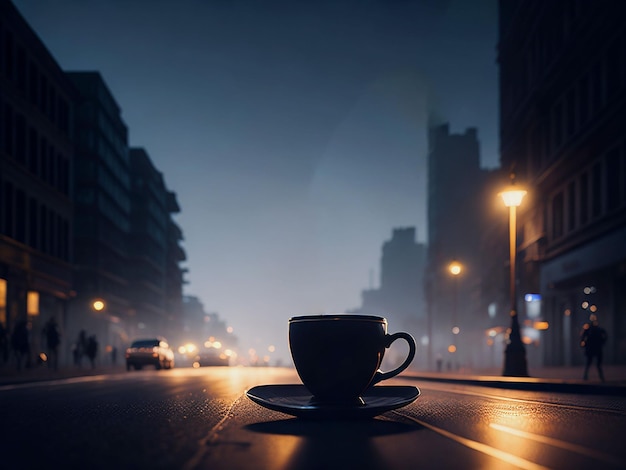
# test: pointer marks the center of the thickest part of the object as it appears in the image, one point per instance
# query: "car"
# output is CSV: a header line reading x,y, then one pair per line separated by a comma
x,y
207,360
150,351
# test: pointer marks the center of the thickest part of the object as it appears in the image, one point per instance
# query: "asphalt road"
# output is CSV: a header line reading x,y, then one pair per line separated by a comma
x,y
200,418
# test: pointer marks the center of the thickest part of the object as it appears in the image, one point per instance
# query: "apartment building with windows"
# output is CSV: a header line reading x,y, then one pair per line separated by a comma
x,y
36,158
563,105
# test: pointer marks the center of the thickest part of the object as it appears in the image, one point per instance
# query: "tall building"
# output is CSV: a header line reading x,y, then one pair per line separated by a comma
x,y
174,272
455,212
400,297
562,109
102,215
86,228
154,252
36,155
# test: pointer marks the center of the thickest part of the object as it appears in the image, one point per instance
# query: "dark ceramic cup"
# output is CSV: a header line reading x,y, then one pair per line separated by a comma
x,y
338,356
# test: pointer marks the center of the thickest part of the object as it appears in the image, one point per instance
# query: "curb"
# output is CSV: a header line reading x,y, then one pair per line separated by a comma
x,y
529,384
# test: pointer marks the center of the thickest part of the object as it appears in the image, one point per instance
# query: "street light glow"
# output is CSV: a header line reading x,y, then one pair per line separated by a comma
x,y
455,268
98,305
513,196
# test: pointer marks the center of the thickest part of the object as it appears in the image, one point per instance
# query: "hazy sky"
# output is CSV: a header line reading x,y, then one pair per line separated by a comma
x,y
293,132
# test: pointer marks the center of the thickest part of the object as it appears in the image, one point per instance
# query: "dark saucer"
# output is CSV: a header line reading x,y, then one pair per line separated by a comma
x,y
296,400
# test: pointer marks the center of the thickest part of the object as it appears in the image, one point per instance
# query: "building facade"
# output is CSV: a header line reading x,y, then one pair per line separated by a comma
x,y
86,237
155,254
102,215
563,105
36,158
456,210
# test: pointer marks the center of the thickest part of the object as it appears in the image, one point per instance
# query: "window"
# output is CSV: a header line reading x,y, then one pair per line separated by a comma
x,y
571,206
584,100
8,129
20,216
8,209
33,151
596,190
584,198
43,233
8,55
571,112
20,139
558,125
614,61
33,84
557,216
21,69
43,157
597,87
33,225
613,174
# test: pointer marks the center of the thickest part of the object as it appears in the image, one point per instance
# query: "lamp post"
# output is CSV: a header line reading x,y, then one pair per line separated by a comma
x,y
455,269
515,353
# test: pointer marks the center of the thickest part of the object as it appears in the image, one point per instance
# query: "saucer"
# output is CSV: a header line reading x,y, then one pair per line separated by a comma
x,y
296,400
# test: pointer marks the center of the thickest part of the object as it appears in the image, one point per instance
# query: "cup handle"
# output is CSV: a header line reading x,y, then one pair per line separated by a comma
x,y
390,339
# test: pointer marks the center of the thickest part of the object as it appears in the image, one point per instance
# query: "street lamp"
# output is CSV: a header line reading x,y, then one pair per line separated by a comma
x,y
455,269
515,353
98,305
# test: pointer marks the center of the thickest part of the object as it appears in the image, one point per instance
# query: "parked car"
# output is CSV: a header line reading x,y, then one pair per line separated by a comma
x,y
150,351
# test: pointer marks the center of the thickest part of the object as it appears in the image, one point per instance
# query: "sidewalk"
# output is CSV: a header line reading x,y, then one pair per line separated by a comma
x,y
547,379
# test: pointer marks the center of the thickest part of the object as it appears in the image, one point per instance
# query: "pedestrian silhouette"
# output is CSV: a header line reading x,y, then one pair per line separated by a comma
x,y
80,347
53,339
592,339
92,350
20,343
114,355
439,363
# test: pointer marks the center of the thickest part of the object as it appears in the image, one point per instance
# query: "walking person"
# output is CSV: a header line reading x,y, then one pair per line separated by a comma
x,y
592,340
53,339
92,350
80,348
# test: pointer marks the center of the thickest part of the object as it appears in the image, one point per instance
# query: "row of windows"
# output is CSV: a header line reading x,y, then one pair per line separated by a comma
x,y
112,211
32,150
33,84
115,136
114,163
579,105
543,47
33,223
551,37
603,78
592,92
597,191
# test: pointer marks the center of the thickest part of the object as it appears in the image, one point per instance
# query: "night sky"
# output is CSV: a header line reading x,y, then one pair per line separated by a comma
x,y
293,132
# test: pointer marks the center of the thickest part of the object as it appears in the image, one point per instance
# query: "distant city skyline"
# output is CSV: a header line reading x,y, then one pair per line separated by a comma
x,y
294,134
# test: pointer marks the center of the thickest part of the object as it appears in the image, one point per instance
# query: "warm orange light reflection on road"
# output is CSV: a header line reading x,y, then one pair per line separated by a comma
x,y
557,443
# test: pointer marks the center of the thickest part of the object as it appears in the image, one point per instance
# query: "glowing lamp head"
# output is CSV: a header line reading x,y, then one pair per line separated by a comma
x,y
455,268
513,196
98,305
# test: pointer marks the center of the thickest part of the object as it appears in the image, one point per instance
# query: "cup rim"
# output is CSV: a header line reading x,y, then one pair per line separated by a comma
x,y
338,316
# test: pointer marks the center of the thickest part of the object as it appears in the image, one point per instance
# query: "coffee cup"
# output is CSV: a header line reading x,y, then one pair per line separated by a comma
x,y
338,356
